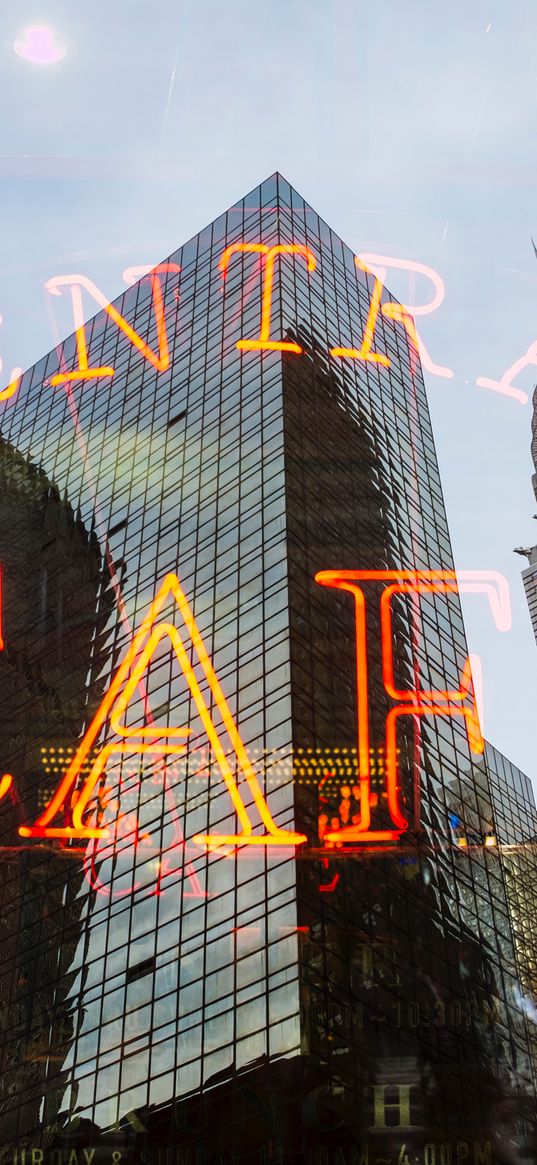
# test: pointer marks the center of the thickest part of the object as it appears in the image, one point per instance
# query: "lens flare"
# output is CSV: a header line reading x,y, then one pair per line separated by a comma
x,y
39,45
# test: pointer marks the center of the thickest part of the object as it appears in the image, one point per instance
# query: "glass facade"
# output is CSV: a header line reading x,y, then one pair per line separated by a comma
x,y
244,420
529,579
515,827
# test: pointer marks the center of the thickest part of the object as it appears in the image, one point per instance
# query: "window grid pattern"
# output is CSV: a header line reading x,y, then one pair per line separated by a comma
x,y
245,472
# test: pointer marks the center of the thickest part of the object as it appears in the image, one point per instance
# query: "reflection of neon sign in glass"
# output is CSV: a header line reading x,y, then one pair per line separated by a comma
x,y
130,782
390,310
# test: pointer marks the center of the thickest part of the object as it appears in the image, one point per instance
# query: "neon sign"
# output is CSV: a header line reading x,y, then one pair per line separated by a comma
x,y
364,352
374,264
504,384
263,342
405,314
127,834
161,361
161,741
83,809
5,784
412,702
10,389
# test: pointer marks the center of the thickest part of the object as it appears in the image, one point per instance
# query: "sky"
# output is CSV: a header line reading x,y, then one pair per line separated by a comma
x,y
409,128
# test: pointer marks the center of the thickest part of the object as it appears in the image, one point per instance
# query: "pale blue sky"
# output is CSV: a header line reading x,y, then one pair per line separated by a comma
x,y
410,128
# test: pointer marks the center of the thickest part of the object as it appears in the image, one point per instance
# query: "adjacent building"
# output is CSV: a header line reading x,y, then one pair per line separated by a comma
x,y
529,575
515,834
297,942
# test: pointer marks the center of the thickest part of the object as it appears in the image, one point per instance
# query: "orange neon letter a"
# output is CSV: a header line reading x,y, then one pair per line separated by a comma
x,y
76,282
364,351
405,314
155,739
263,342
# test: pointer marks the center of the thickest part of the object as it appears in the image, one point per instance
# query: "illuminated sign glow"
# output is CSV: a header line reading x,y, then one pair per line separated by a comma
x,y
505,385
263,342
161,741
414,702
84,372
404,314
6,783
349,770
10,389
375,264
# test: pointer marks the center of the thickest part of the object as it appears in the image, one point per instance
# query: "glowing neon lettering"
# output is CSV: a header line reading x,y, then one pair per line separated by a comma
x,y
263,341
406,314
328,887
373,264
495,586
76,282
364,352
6,783
9,391
409,702
475,668
504,385
158,740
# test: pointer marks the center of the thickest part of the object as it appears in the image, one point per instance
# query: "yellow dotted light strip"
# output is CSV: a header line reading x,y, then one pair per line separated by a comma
x,y
306,766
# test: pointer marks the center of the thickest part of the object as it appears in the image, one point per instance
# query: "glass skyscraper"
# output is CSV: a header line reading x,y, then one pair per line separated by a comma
x,y
296,941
